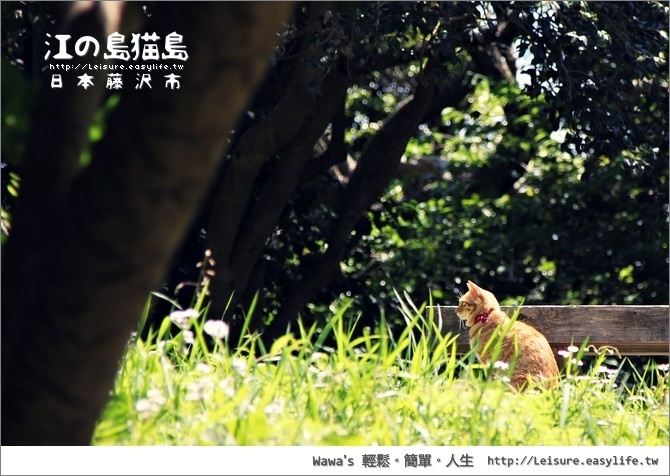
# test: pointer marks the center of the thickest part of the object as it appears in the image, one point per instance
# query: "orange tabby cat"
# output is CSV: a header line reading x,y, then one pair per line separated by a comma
x,y
535,360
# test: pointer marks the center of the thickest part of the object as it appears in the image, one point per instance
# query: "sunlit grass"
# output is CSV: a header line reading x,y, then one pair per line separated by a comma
x,y
368,389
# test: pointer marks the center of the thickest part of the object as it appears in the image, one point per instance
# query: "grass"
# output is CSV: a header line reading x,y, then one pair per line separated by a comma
x,y
368,389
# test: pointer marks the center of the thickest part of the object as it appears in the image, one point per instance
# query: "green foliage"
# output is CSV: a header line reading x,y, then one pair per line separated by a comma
x,y
11,187
373,389
612,59
552,232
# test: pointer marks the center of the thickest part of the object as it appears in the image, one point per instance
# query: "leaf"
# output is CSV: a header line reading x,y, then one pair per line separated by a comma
x,y
166,298
280,344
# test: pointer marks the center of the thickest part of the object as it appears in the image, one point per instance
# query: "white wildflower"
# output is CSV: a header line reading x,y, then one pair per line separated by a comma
x,y
216,329
143,405
189,337
275,408
240,366
500,365
387,394
193,394
150,405
568,353
663,367
182,318
228,386
636,398
606,370
203,367
199,389
156,397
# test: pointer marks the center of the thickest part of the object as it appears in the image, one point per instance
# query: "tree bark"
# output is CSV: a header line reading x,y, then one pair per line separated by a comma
x,y
69,310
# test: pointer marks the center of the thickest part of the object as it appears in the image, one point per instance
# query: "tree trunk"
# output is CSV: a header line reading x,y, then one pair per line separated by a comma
x,y
75,284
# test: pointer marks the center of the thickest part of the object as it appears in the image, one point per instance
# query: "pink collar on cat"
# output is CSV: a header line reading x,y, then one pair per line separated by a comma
x,y
483,317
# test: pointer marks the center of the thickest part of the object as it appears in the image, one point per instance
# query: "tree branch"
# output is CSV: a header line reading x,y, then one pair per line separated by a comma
x,y
263,217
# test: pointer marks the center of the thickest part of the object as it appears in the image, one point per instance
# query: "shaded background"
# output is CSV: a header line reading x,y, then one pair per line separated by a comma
x,y
416,145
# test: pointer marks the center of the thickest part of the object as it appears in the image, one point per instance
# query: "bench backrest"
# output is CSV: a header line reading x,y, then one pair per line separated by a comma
x,y
633,330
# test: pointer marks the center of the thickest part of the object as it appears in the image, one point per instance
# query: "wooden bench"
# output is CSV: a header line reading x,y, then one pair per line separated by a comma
x,y
633,330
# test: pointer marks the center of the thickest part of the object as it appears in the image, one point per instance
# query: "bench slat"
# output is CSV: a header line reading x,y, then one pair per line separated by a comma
x,y
633,330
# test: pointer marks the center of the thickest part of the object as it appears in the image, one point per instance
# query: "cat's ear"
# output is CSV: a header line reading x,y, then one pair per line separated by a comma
x,y
474,289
